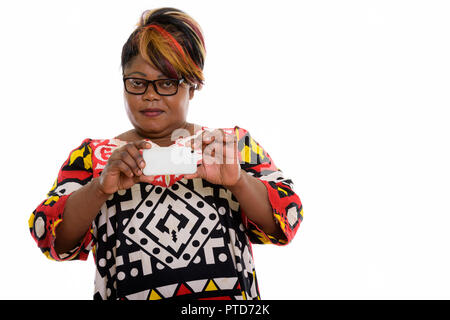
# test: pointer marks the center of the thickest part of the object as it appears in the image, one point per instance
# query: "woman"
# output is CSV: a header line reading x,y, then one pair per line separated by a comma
x,y
172,236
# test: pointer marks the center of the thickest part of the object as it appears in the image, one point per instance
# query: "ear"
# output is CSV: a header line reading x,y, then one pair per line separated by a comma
x,y
191,92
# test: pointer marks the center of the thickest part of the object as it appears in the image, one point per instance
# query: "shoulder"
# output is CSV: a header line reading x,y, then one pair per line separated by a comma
x,y
83,146
240,132
129,135
92,142
93,154
89,146
237,130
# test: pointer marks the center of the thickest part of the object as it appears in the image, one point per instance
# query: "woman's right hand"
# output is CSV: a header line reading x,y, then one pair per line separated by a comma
x,y
124,168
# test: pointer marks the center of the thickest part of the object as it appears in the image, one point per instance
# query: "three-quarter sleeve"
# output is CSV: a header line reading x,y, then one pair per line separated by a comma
x,y
286,205
75,172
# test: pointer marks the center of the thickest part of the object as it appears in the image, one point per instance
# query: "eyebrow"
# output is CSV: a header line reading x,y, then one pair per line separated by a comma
x,y
144,75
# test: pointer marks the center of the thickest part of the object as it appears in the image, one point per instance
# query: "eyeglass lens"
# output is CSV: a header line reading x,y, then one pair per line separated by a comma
x,y
162,86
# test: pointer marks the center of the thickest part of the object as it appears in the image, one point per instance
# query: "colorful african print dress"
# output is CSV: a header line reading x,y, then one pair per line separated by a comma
x,y
175,238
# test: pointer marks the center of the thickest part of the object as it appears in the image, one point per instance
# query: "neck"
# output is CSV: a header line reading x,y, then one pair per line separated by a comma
x,y
164,139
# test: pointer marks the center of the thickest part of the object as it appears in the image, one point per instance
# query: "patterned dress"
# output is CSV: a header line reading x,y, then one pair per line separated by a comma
x,y
175,238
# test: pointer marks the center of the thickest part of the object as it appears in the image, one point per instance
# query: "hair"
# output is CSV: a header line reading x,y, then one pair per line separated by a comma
x,y
170,41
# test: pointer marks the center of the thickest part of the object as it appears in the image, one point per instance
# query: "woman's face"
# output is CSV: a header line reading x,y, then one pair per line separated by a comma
x,y
173,108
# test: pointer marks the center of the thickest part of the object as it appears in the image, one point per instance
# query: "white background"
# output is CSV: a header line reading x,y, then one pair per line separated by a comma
x,y
350,98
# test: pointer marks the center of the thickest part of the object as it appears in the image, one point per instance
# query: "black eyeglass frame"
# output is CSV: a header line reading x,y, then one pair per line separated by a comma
x,y
153,84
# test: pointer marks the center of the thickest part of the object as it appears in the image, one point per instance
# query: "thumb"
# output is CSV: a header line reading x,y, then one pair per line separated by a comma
x,y
190,176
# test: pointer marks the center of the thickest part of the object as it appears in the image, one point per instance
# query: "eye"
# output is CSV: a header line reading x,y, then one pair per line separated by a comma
x,y
136,83
167,84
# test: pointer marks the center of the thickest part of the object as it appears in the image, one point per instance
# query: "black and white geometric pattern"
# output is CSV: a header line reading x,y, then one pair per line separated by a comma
x,y
173,225
153,237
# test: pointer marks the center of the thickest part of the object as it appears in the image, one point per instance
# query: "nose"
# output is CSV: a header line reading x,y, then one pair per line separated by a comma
x,y
150,94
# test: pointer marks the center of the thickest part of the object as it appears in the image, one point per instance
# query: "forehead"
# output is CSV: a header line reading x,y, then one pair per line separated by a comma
x,y
139,67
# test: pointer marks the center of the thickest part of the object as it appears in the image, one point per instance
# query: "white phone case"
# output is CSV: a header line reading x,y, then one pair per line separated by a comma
x,y
170,160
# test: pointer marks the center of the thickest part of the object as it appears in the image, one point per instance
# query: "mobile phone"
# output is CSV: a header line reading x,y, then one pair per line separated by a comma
x,y
174,159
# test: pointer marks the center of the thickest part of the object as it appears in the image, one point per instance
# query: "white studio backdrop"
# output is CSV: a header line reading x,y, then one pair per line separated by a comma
x,y
350,98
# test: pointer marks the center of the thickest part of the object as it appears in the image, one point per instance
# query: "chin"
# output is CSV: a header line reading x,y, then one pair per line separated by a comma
x,y
153,128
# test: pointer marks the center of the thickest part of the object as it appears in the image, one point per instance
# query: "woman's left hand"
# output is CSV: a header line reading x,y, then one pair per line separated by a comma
x,y
220,158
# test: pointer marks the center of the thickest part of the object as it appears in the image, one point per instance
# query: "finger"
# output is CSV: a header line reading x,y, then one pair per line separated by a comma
x,y
201,172
127,155
208,153
142,144
216,148
198,144
231,151
135,151
209,142
229,137
221,152
146,179
211,159
204,142
191,176
200,140
122,167
218,135
208,137
193,143
223,135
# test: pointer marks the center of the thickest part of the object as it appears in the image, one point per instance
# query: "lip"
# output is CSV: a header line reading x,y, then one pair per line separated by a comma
x,y
151,112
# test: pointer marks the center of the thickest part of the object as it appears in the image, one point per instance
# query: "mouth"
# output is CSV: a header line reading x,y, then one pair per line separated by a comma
x,y
151,112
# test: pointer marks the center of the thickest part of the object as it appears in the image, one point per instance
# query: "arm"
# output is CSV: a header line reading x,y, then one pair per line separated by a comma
x,y
80,210
75,173
61,224
252,196
285,206
122,171
270,209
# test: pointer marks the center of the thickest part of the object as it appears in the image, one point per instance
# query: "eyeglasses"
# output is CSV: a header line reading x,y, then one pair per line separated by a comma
x,y
163,87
